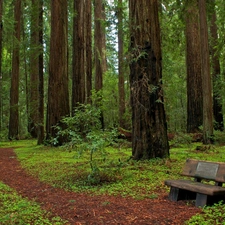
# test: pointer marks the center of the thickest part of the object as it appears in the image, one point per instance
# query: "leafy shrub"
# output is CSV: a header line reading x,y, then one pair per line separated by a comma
x,y
84,133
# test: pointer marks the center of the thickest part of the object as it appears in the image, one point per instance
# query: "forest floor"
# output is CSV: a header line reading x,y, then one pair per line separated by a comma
x,y
78,208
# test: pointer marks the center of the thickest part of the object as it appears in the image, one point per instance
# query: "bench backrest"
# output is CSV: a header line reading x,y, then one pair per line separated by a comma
x,y
205,170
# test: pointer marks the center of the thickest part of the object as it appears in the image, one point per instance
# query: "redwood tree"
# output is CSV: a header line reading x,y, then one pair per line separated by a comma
x,y
14,90
34,70
193,65
149,130
78,78
82,53
100,46
58,96
206,77
121,65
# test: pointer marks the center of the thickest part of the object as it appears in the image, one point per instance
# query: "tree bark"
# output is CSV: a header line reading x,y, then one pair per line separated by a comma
x,y
206,78
82,53
14,90
78,80
58,96
34,70
193,64
100,48
88,51
149,130
121,88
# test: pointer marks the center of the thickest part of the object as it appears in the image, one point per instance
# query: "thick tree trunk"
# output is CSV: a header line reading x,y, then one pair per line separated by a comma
x,y
121,66
193,64
217,106
82,53
34,70
58,96
100,47
14,91
149,131
206,78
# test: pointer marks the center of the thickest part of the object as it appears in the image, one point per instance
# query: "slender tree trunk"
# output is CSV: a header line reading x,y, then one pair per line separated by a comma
x,y
88,52
41,79
217,106
121,89
34,70
149,130
193,64
58,95
206,78
78,84
14,90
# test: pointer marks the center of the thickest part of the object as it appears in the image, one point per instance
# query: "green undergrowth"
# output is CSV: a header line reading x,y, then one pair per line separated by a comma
x,y
210,215
16,210
115,173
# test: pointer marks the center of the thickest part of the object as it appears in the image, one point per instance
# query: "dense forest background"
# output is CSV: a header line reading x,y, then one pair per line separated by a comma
x,y
96,63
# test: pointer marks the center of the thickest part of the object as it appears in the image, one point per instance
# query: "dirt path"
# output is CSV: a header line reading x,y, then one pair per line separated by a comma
x,y
84,209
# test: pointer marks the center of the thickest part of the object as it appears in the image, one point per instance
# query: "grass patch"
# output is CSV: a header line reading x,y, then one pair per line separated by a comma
x,y
17,210
116,172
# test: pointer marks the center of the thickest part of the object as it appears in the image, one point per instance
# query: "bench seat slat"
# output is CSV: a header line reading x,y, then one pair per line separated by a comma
x,y
196,187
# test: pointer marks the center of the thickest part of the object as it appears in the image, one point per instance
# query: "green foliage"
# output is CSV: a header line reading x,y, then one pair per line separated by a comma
x,y
16,210
174,67
86,119
114,172
84,133
210,215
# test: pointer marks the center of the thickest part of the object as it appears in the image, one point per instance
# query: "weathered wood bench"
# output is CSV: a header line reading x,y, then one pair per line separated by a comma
x,y
204,193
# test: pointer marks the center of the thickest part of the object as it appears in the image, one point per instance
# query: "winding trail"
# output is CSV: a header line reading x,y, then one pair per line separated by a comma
x,y
84,209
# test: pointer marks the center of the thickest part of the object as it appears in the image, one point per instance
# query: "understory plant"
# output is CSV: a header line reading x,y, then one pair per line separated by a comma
x,y
84,133
210,215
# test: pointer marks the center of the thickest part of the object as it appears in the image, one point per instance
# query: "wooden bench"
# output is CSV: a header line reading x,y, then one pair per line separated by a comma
x,y
203,193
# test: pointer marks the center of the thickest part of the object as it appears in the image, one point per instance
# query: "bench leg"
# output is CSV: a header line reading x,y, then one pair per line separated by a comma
x,y
201,200
174,194
177,194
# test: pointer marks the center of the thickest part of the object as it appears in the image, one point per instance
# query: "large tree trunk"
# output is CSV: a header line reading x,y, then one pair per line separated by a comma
x,y
58,96
78,80
206,78
121,89
40,125
82,53
34,70
14,91
193,64
100,47
149,131
217,106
